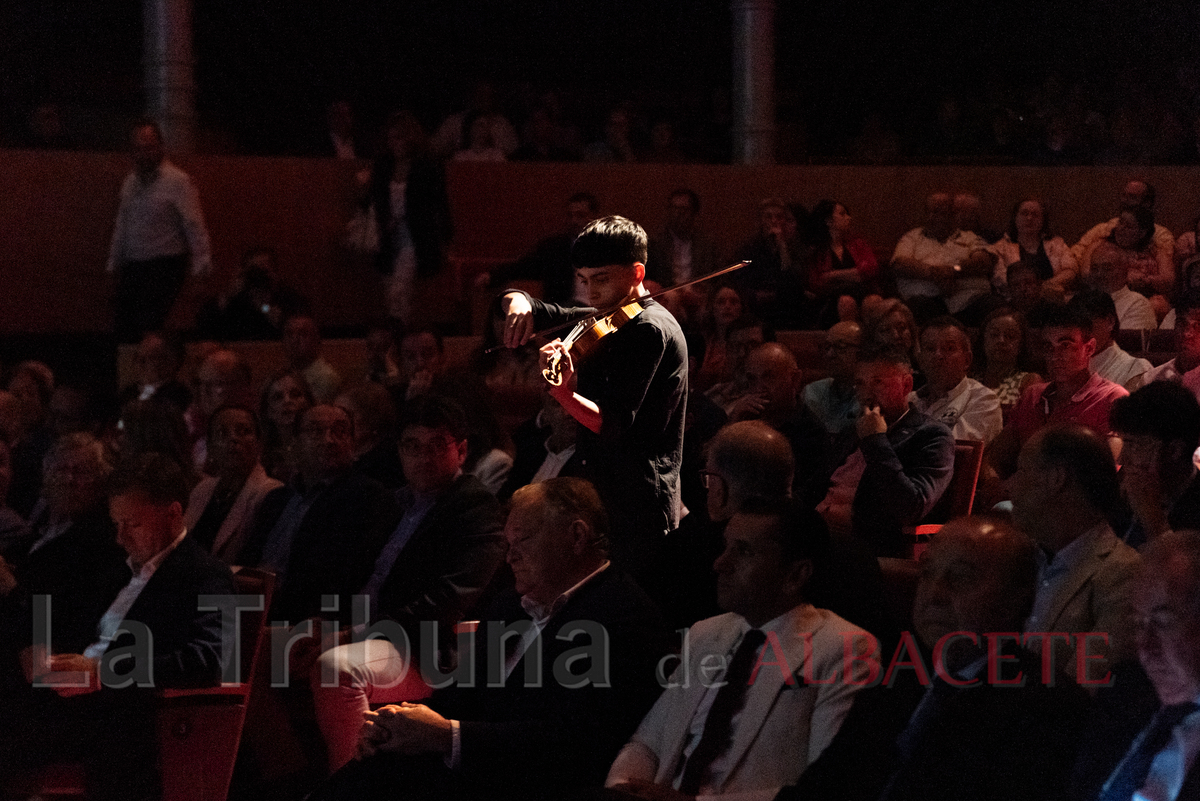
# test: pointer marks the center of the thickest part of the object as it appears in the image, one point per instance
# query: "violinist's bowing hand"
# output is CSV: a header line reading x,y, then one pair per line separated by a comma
x,y
518,319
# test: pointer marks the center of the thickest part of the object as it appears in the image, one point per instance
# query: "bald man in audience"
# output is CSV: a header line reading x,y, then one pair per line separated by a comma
x,y
772,396
1110,273
967,407
985,725
1134,194
1063,496
833,399
937,262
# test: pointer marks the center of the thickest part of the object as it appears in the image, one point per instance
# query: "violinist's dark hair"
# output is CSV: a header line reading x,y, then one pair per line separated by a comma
x,y
609,240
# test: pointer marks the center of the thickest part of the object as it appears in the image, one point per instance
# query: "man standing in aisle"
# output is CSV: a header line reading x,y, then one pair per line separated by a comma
x,y
158,232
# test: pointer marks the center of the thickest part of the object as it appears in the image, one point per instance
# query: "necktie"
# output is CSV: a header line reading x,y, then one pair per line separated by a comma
x,y
718,726
1131,774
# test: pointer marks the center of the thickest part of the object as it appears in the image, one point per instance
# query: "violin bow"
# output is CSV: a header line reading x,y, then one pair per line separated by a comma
x,y
606,312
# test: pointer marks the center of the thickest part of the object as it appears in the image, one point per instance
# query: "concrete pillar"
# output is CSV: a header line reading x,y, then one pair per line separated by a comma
x,y
170,88
753,81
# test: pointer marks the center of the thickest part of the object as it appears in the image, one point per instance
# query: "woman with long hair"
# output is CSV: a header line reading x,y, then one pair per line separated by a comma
x,y
1000,365
844,265
284,399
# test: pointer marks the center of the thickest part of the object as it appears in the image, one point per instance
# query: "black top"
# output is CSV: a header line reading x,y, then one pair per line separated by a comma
x,y
638,377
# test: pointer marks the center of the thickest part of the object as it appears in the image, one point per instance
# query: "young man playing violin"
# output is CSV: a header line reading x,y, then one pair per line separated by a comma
x,y
628,394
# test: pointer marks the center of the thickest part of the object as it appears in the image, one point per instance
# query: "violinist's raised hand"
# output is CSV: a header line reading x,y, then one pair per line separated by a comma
x,y
518,319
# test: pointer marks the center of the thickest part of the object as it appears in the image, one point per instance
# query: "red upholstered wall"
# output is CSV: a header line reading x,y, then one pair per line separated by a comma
x,y
56,213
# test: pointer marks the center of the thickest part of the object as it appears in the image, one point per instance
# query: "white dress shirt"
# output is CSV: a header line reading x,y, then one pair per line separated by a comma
x,y
158,218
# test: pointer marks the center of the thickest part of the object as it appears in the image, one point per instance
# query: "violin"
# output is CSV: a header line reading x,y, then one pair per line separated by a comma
x,y
588,332
586,335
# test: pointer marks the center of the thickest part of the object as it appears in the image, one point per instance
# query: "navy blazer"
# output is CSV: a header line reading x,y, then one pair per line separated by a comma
x,y
908,469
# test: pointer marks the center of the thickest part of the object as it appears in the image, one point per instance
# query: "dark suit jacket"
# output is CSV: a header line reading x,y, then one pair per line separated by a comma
x,y
539,741
659,266
908,469
82,570
447,562
987,742
530,442
187,642
335,546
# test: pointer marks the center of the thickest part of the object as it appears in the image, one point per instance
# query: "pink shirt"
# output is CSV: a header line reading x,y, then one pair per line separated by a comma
x,y
1089,406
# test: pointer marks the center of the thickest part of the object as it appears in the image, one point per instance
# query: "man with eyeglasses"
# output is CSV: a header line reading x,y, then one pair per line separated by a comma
x,y
833,400
1074,393
433,567
320,537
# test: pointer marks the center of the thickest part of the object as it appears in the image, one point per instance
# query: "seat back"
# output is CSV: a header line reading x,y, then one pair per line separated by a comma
x,y
959,497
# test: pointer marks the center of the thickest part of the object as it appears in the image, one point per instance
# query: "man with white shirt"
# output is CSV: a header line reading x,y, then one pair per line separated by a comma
x,y
1110,360
751,731
159,230
968,408
1110,273
937,261
97,705
531,720
1062,495
1159,763
1182,369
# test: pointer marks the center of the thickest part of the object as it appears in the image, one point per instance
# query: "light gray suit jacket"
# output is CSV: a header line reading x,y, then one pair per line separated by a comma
x,y
783,726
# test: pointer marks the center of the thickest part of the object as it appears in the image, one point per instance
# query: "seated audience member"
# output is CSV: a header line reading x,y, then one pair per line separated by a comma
x,y
1157,275
1187,345
833,399
301,342
483,104
681,252
743,335
155,427
374,415
723,308
1074,394
1004,350
1030,240
254,305
1155,759
31,384
221,508
383,355
322,536
433,567
285,398
467,740
890,325
545,448
772,396
84,703
1185,246
1159,427
773,283
478,141
968,408
1110,273
12,526
615,145
902,464
843,264
422,362
1063,496
964,731
939,267
715,739
70,552
550,259
1110,360
223,378
1024,288
540,139
156,366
